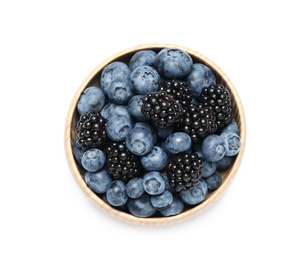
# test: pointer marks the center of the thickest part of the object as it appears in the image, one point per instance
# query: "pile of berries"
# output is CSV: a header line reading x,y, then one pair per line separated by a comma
x,y
155,135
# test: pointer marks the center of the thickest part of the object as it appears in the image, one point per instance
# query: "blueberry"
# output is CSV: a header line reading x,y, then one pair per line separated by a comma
x,y
134,108
232,127
178,142
142,58
208,168
139,141
141,207
98,182
116,194
163,133
93,160
145,79
114,70
118,127
111,110
148,127
173,63
195,195
213,148
78,153
168,187
153,183
233,143
91,99
155,160
162,201
120,91
224,163
200,76
134,188
176,207
213,181
121,208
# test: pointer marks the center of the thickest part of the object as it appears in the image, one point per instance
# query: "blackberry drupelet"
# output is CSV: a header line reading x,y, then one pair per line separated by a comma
x,y
197,122
184,171
178,89
217,99
161,109
121,164
90,130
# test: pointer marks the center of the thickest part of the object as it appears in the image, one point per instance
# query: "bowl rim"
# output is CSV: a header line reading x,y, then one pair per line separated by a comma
x,y
160,220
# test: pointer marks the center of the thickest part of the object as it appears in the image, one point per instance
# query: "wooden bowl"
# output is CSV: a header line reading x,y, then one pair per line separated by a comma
x,y
94,80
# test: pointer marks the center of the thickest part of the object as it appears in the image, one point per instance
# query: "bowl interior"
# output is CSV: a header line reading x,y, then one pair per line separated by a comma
x,y
221,78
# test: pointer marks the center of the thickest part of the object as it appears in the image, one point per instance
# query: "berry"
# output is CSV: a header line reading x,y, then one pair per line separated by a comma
x,y
185,171
213,181
93,160
200,77
195,195
155,160
213,148
142,58
145,79
134,188
197,122
116,194
153,183
232,127
141,207
134,108
179,90
162,201
112,110
91,99
78,153
163,133
149,127
98,182
176,207
120,91
118,127
178,142
90,130
173,63
161,109
224,163
216,99
233,143
120,163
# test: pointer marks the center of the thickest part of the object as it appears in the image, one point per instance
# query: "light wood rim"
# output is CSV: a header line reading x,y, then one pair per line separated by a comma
x,y
163,220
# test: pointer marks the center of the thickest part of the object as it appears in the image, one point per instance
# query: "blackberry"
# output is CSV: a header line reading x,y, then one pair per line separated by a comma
x,y
90,130
217,99
161,109
121,164
178,89
185,171
197,122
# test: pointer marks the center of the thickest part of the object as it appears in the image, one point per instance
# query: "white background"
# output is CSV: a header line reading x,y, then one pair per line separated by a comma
x,y
47,50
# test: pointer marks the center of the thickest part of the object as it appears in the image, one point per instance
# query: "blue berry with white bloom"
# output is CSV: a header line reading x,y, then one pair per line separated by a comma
x,y
141,207
155,160
145,125
120,91
225,162
233,143
208,168
175,208
134,188
213,181
178,142
116,194
195,195
118,127
142,58
139,141
232,127
162,201
91,99
153,183
112,110
163,133
98,182
134,108
200,77
78,153
213,148
145,79
114,70
173,63
93,160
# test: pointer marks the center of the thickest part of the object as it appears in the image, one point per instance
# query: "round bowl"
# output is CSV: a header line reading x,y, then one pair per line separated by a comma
x,y
93,79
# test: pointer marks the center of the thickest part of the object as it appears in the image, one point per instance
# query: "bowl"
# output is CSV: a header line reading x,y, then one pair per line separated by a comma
x,y
93,79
